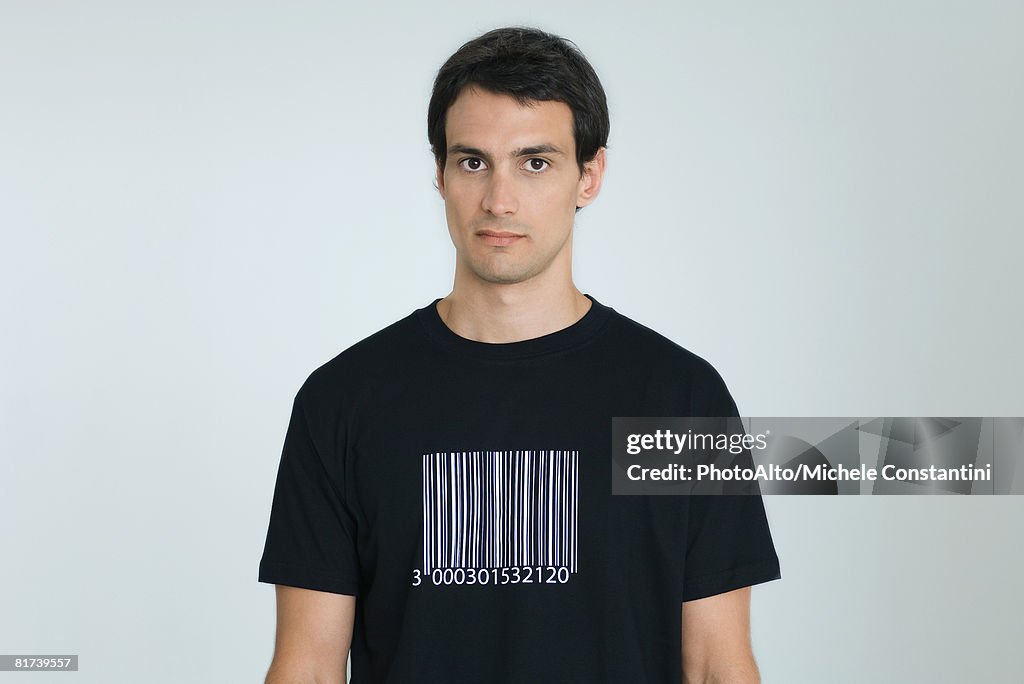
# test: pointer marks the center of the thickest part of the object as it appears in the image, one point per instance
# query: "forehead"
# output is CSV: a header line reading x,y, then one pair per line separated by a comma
x,y
489,120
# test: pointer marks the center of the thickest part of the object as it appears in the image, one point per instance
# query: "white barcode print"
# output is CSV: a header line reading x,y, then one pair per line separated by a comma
x,y
495,509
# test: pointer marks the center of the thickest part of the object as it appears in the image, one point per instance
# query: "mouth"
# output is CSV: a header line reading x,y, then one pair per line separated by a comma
x,y
498,238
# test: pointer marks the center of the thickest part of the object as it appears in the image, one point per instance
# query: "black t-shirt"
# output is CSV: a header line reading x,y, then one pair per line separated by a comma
x,y
462,491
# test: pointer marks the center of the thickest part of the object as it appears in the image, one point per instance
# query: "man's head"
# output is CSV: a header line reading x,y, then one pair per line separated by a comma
x,y
529,65
518,123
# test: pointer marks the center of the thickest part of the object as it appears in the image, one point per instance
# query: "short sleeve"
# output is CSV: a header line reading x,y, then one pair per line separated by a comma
x,y
311,538
729,544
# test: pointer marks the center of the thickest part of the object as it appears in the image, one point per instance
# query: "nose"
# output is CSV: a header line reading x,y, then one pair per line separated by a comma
x,y
500,197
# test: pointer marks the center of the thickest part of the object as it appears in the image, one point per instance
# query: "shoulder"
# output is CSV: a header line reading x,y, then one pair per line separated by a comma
x,y
363,365
666,361
646,343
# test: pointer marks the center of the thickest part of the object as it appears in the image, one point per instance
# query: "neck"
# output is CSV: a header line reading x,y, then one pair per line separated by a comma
x,y
511,313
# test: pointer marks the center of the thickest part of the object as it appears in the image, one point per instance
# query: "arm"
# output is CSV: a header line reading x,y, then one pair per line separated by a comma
x,y
314,632
716,640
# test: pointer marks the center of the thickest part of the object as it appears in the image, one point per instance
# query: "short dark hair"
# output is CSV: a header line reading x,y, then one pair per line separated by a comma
x,y
530,65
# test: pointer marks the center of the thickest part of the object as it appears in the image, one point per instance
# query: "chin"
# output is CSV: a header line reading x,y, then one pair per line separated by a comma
x,y
504,270
503,277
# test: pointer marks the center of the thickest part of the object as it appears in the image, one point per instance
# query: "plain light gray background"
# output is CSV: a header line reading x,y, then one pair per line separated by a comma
x,y
203,201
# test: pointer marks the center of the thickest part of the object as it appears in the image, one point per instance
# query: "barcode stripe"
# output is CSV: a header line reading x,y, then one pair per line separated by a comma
x,y
493,509
426,527
472,513
564,485
575,512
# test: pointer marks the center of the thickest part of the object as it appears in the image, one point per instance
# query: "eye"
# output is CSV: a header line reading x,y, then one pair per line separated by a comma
x,y
471,164
536,164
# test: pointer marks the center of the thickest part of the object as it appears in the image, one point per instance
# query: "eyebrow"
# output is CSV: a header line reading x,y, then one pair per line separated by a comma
x,y
545,148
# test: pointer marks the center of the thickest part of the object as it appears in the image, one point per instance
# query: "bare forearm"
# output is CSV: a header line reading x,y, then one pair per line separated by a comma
x,y
285,674
314,632
726,673
716,646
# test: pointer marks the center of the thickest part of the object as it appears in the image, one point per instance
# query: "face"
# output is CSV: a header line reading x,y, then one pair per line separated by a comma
x,y
511,186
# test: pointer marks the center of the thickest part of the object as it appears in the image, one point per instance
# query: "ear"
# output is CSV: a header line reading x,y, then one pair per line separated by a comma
x,y
439,179
590,182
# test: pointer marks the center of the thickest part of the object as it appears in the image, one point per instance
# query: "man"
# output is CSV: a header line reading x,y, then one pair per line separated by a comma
x,y
443,502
